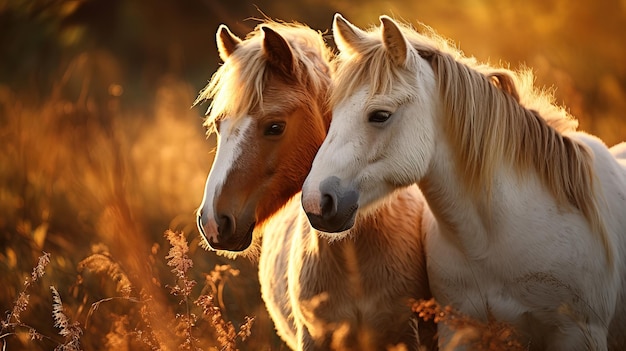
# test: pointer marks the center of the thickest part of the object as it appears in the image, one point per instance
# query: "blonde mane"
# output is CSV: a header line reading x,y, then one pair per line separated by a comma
x,y
493,116
237,87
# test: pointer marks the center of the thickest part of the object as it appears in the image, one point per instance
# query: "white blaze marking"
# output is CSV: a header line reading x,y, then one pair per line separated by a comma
x,y
228,150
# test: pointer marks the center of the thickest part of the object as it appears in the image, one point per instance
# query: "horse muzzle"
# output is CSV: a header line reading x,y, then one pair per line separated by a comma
x,y
337,206
224,234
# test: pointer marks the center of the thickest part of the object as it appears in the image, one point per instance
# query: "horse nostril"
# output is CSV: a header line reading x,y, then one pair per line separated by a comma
x,y
328,206
225,225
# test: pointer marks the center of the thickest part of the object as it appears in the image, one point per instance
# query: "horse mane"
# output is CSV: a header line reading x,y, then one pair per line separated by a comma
x,y
237,87
494,115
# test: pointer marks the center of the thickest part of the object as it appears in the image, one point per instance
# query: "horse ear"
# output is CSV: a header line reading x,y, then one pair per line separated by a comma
x,y
394,41
346,35
227,42
277,51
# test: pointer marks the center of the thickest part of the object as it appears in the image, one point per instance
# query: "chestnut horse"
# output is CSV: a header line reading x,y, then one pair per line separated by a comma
x,y
340,291
530,214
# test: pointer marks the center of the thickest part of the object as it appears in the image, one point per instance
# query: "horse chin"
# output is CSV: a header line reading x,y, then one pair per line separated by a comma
x,y
335,225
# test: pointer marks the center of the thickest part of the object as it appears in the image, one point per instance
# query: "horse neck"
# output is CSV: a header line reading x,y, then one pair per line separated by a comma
x,y
461,217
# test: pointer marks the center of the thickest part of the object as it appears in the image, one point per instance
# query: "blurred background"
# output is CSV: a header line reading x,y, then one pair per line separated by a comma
x,y
101,152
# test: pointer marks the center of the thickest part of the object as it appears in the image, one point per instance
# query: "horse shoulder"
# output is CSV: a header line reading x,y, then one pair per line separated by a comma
x,y
610,168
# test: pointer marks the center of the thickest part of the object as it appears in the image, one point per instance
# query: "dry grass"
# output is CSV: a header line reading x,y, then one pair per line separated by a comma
x,y
142,336
492,335
13,321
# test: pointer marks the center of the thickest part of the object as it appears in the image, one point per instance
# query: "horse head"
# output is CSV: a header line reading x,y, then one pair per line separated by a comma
x,y
268,111
381,135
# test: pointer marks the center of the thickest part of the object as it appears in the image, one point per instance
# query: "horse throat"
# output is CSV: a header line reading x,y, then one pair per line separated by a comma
x,y
462,217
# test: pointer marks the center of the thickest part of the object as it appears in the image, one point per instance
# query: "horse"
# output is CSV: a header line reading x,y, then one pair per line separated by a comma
x,y
529,214
345,291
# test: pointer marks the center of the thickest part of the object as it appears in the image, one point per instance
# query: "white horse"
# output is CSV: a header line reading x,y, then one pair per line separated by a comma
x,y
269,109
529,214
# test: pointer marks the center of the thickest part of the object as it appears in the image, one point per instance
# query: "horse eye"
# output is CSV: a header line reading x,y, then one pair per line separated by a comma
x,y
379,116
275,128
